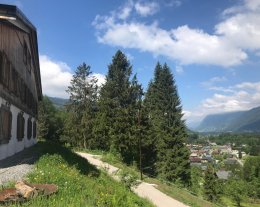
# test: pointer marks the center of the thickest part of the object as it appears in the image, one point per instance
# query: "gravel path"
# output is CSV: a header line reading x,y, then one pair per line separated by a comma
x,y
16,167
14,173
144,189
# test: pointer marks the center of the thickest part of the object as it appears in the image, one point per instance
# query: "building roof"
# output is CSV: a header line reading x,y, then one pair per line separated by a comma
x,y
222,174
195,159
12,15
231,161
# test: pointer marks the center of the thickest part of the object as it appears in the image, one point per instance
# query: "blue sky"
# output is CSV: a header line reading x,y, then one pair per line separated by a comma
x,y
212,47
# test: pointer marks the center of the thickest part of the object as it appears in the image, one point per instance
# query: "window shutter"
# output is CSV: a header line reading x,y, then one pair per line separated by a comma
x,y
5,124
34,129
29,128
20,127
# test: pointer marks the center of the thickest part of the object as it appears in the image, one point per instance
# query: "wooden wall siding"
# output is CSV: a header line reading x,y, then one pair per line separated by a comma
x,y
13,43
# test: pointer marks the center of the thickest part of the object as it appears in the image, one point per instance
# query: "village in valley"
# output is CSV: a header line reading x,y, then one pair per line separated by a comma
x,y
224,158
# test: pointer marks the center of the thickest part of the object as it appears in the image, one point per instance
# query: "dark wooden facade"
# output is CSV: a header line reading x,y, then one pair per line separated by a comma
x,y
20,81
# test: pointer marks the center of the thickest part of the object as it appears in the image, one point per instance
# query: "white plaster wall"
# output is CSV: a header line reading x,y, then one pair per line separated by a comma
x,y
14,145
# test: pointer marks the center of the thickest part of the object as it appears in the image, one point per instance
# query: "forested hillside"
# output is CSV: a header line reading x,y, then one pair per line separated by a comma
x,y
58,102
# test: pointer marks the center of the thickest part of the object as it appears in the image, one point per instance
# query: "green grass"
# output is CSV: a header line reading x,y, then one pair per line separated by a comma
x,y
228,202
79,183
183,195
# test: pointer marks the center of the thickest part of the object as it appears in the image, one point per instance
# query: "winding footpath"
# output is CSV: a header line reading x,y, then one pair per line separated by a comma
x,y
144,189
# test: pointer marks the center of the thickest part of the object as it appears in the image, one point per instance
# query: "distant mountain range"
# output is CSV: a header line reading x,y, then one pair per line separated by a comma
x,y
58,102
240,121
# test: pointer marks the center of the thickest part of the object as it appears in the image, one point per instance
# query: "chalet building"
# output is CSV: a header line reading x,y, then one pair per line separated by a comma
x,y
20,81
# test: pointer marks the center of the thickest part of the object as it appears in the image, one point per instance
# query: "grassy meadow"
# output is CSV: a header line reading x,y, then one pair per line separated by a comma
x,y
79,183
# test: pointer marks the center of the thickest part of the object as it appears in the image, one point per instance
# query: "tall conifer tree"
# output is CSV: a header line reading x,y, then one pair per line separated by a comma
x,y
165,112
211,185
117,109
81,107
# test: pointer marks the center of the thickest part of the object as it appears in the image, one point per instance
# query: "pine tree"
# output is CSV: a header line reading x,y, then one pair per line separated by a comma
x,y
211,187
165,112
118,105
81,107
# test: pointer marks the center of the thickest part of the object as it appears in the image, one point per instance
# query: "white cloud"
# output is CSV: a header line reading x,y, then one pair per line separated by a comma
x,y
249,85
126,10
129,56
146,8
221,89
186,114
243,96
214,80
56,77
241,30
179,69
101,79
234,36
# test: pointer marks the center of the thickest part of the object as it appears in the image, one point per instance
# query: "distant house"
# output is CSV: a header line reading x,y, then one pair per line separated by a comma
x,y
225,149
20,81
235,153
195,160
215,152
194,154
206,159
223,174
231,161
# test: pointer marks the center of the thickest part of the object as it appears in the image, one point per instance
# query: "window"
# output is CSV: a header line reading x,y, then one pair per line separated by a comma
x,y
20,127
34,129
1,66
25,53
13,81
5,124
5,71
29,128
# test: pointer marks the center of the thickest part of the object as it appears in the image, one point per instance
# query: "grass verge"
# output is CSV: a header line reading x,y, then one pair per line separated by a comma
x,y
80,183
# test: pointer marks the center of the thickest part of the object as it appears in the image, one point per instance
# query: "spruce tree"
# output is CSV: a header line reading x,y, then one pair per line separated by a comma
x,y
165,113
81,107
211,187
118,105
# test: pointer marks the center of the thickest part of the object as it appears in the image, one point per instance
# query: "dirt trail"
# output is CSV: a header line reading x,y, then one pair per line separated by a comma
x,y
144,189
